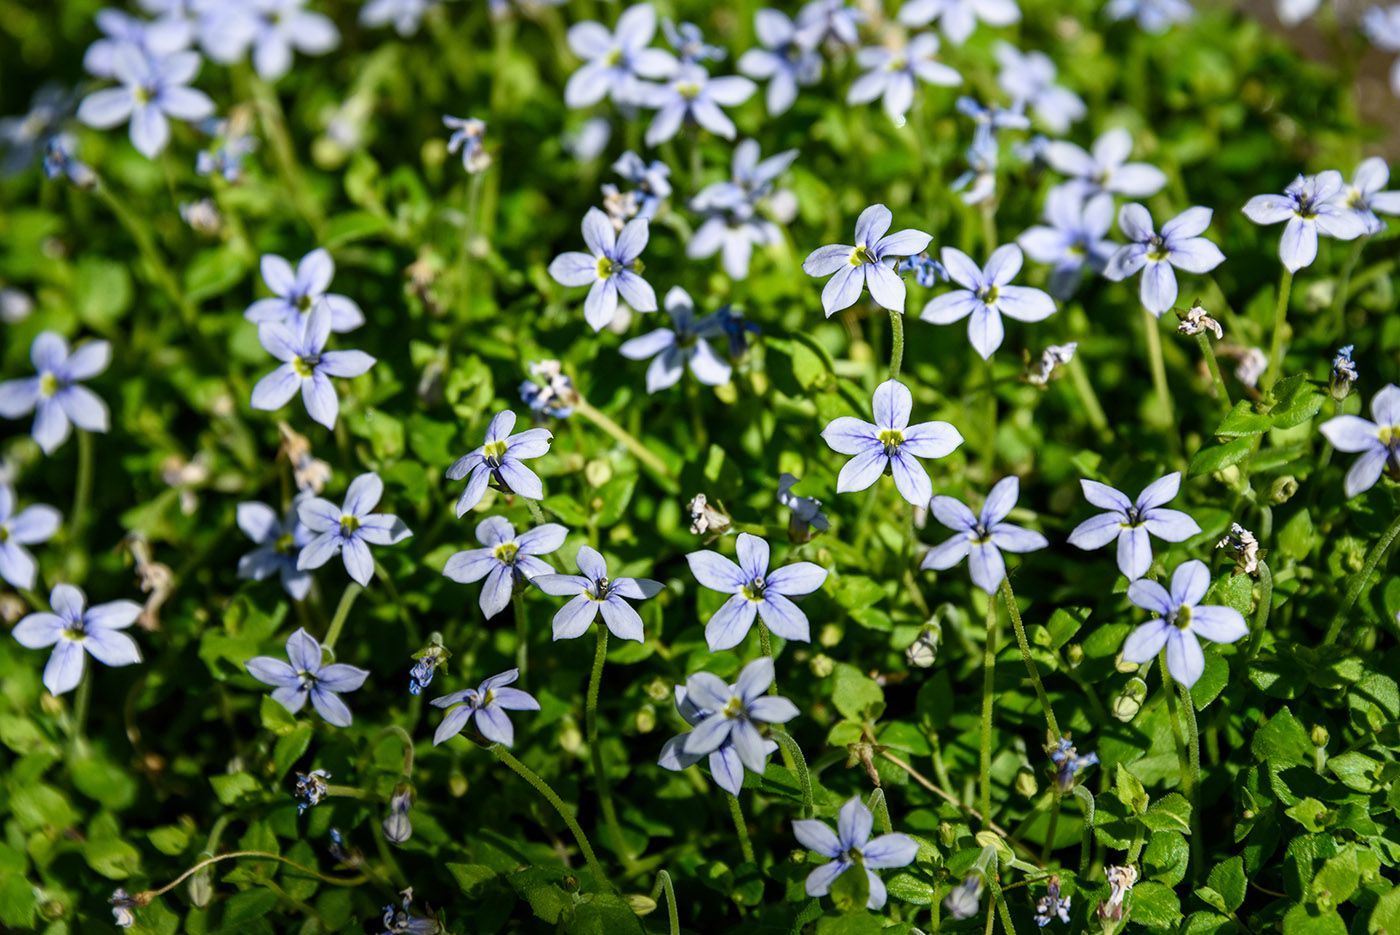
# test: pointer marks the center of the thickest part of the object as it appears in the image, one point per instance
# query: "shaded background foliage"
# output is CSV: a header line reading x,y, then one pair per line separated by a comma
x,y
184,754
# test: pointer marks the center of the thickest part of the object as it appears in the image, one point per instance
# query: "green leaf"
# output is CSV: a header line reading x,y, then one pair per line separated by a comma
x,y
471,877
1282,740
1212,682
851,891
1227,878
1129,790
1242,420
1154,906
289,749
230,787
1337,880
1169,813
1215,457
856,695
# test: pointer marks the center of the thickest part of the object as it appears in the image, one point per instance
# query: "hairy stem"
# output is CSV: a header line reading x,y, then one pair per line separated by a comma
x,y
897,345
648,459
148,895
342,611
663,885
595,750
1373,561
1052,726
804,778
1213,366
1285,288
989,663
1152,331
741,828
550,796
522,633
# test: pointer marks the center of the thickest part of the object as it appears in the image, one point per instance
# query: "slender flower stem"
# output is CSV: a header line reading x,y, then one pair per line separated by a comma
x,y
342,610
741,828
1214,367
804,778
140,233
663,885
274,123
897,345
148,895
654,464
82,491
1261,612
1285,288
989,225
550,796
989,664
1052,726
522,633
595,751
881,810
81,703
1193,756
1049,845
1089,399
863,523
1343,292
536,514
765,645
1373,560
1188,775
989,450
1152,331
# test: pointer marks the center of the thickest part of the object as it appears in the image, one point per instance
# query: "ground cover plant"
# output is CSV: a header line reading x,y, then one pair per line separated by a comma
x,y
851,467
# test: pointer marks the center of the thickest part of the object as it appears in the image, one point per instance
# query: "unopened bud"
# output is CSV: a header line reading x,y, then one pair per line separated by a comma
x,y
570,738
1130,699
1283,489
397,826
1074,653
1026,784
822,665
1319,736
645,719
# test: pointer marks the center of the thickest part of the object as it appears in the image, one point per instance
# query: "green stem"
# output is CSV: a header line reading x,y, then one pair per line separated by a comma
x,y
741,829
595,751
543,788
989,663
1089,399
989,450
1285,287
1152,331
804,778
1214,367
765,645
522,633
274,122
1261,612
82,490
863,523
1343,291
663,885
536,514
659,471
1373,560
989,226
1184,759
140,233
342,610
148,895
897,345
1054,827
81,703
1193,751
1051,725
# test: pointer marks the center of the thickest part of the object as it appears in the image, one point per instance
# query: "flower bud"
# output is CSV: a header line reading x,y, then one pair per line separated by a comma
x,y
1283,489
1320,736
830,635
397,826
570,738
457,784
1074,653
947,834
201,886
1129,700
822,665
1026,784
645,719
597,472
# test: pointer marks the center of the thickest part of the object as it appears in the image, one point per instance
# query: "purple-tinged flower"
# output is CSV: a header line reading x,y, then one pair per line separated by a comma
x,y
985,296
232,144
594,592
61,161
1052,905
831,21
733,233
615,62
152,89
1105,168
122,904
1364,196
278,544
757,593
1074,236
1029,77
398,824
23,138
612,267
751,179
401,920
506,561
850,845
978,184
892,74
1377,442
869,263
308,677
30,526
785,61
684,344
550,390
54,395
487,704
468,137
156,39
689,43
981,538
1131,522
1382,27
283,26
1312,205
891,445
1179,245
729,722
500,459
297,293
405,15
927,271
310,788
1069,763
806,512
691,94
349,529
1180,621
73,628
1344,374
964,900
306,366
1153,16
958,18
426,663
737,329
652,181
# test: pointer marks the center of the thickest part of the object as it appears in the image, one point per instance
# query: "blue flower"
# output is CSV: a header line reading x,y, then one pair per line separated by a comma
x,y
890,444
30,526
1106,168
1364,196
60,161
614,62
683,344
506,561
985,296
278,546
691,94
488,704
756,592
500,459
850,845
1382,27
869,263
689,42
73,628
1178,245
751,179
594,592
54,395
733,232
832,21
728,723
1074,236
297,293
349,529
927,271
308,677
981,538
612,267
24,138
401,920
1312,205
310,789
1029,77
737,329
1343,373
404,14
1131,521
806,512
1153,16
556,396
965,900
225,158
306,366
283,26
152,90
1069,763
468,136
153,39
786,60
652,181
1377,442
893,74
958,18
1180,621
